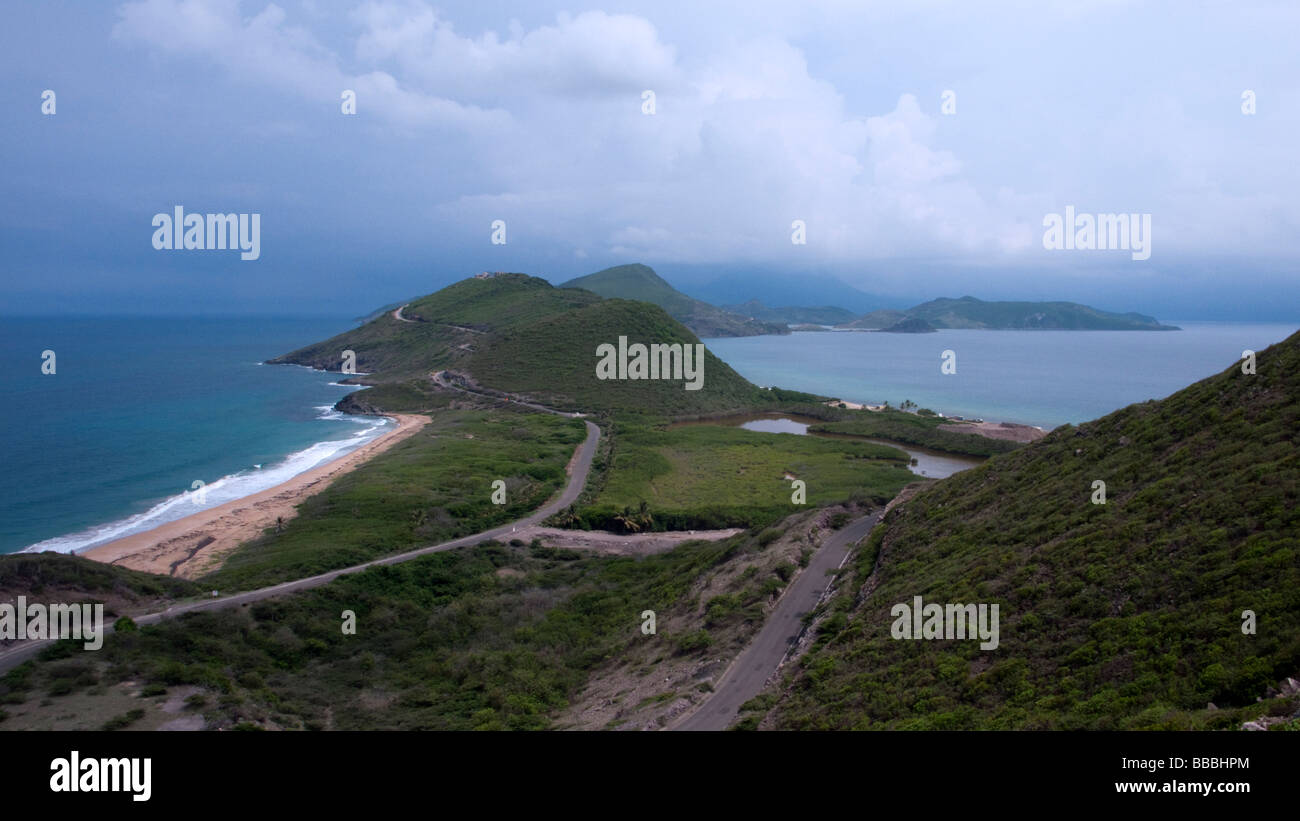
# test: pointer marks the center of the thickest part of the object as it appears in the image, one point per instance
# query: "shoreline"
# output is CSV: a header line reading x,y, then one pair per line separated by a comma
x,y
1010,431
197,543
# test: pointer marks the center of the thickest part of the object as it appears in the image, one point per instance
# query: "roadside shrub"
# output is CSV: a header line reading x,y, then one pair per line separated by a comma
x,y
690,642
125,720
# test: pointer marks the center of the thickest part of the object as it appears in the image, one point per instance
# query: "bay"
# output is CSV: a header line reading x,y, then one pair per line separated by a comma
x,y
1043,378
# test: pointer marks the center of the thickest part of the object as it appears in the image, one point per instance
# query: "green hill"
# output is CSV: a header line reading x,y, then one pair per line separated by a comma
x,y
876,320
641,283
386,309
969,312
518,333
911,325
823,315
554,361
445,328
1120,615
495,303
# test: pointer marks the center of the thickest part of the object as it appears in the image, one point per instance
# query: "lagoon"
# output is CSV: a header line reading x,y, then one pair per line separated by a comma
x,y
931,464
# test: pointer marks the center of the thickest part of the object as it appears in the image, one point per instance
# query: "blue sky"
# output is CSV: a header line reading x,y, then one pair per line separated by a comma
x,y
765,112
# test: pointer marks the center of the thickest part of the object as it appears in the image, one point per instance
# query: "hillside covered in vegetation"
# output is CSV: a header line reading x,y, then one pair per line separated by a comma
x,y
969,312
519,334
792,315
640,283
1124,615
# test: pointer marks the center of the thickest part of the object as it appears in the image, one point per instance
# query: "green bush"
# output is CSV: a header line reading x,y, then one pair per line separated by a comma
x,y
691,642
124,720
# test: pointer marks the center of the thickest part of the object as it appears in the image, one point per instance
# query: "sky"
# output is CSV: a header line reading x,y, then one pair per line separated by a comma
x,y
536,114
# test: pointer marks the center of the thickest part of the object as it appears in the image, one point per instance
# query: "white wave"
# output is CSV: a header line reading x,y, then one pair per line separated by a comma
x,y
226,489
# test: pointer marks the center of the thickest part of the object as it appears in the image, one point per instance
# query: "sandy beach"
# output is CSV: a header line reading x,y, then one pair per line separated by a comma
x,y
194,545
1012,431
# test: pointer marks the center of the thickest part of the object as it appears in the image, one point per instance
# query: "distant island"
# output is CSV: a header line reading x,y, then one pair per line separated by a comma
x,y
753,318
969,313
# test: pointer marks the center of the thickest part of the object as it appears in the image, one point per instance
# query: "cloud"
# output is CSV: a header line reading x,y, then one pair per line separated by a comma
x,y
593,53
744,143
266,50
543,125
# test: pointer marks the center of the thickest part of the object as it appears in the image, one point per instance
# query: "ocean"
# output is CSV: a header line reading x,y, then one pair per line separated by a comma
x,y
139,409
1043,378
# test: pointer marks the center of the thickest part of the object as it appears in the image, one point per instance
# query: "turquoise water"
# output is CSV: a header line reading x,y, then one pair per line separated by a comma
x,y
1043,378
139,409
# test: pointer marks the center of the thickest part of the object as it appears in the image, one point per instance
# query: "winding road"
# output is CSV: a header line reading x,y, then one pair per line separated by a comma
x,y
758,662
401,318
744,679
580,468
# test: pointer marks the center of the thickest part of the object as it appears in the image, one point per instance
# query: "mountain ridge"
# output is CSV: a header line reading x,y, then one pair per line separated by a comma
x,y
640,282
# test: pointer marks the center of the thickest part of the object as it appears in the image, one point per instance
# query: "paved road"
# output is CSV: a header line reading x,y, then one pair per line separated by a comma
x,y
577,480
747,675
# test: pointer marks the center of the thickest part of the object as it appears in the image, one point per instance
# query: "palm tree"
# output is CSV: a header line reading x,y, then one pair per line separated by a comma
x,y
626,521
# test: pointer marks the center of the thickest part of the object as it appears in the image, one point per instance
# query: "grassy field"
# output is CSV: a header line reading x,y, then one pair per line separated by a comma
x,y
1123,615
432,487
702,476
